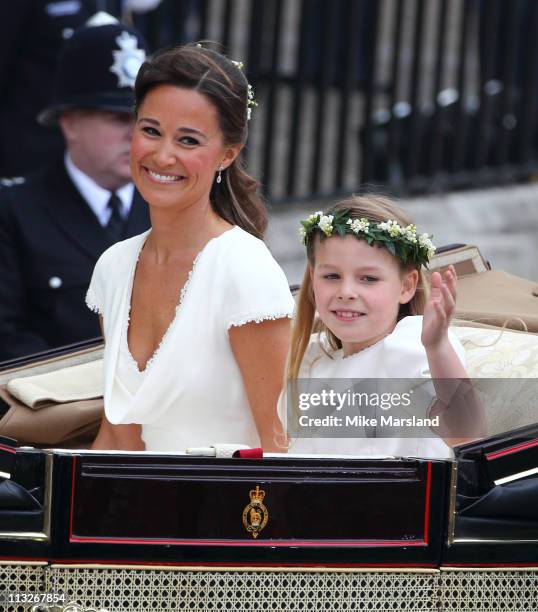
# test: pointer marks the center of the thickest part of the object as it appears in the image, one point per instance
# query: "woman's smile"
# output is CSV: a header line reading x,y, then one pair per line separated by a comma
x,y
162,177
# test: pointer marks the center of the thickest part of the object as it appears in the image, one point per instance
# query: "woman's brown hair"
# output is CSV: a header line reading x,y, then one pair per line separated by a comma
x,y
375,208
236,198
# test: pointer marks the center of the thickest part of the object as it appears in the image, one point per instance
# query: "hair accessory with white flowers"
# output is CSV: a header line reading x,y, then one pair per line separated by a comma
x,y
402,242
251,102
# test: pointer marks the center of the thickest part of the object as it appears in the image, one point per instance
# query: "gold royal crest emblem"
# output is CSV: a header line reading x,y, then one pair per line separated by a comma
x,y
255,514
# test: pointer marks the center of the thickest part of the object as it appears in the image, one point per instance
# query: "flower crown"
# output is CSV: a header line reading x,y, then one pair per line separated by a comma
x,y
402,242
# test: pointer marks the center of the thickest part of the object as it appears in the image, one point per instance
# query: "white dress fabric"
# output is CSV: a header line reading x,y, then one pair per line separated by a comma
x,y
399,355
191,392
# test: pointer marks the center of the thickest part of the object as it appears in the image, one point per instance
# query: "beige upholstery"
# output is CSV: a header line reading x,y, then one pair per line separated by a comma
x,y
80,382
504,366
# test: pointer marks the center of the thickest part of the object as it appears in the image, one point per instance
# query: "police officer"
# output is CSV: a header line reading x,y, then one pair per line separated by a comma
x,y
32,33
54,226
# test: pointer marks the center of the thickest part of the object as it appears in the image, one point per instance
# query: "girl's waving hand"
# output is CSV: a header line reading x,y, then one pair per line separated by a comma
x,y
439,308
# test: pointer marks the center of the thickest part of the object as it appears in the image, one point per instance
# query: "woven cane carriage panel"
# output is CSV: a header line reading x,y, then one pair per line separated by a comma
x,y
479,591
200,591
20,579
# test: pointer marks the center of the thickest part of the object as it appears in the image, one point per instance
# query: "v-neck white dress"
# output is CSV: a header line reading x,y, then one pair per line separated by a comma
x,y
191,392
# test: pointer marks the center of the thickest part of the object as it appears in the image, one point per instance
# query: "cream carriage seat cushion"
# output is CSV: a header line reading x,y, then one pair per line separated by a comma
x,y
79,382
504,367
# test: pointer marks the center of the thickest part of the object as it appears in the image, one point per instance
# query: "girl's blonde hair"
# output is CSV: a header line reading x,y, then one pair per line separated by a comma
x,y
375,208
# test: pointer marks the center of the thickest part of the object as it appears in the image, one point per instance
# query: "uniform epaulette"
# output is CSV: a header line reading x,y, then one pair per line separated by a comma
x,y
11,181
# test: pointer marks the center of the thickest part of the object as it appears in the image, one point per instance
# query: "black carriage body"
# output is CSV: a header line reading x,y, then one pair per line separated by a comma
x,y
493,518
144,508
147,508
330,532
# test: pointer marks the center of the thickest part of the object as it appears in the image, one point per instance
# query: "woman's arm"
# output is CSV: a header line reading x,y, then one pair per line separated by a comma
x,y
260,350
457,405
117,437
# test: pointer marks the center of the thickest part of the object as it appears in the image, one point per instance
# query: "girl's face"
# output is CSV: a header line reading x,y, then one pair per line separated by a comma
x,y
177,147
358,289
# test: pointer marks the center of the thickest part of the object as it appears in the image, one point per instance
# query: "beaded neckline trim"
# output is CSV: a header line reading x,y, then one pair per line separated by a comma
x,y
179,307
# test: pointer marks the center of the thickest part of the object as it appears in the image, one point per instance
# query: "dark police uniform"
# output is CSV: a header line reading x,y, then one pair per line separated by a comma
x,y
31,35
50,241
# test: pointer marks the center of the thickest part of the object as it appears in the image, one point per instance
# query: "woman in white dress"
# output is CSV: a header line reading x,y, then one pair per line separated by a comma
x,y
195,312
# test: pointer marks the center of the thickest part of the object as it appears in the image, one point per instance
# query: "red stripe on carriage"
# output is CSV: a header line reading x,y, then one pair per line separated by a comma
x,y
8,449
425,535
222,564
72,509
512,449
251,543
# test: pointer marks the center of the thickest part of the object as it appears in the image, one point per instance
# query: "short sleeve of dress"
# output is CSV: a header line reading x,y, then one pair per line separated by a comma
x,y
95,294
111,272
257,288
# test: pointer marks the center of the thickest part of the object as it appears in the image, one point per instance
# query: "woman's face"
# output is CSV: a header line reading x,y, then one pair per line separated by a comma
x,y
177,147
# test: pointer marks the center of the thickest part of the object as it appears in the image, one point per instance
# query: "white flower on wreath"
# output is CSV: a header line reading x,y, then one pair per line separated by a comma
x,y
410,232
302,234
391,227
425,242
359,225
325,224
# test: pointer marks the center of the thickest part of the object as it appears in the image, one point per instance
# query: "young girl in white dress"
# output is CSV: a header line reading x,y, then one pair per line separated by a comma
x,y
365,281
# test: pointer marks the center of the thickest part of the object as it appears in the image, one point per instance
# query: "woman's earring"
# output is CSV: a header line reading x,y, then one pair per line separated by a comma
x,y
219,175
